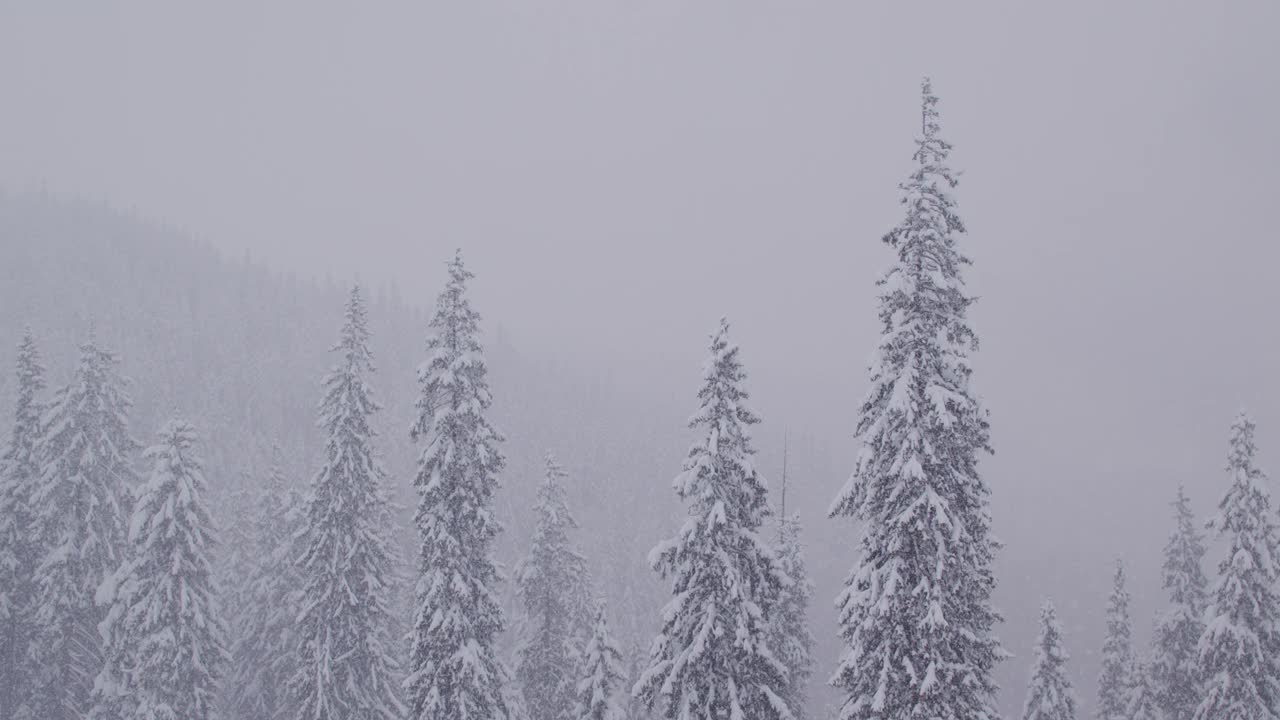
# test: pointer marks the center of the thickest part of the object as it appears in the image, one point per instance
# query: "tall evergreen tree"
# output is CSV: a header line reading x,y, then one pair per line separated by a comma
x,y
711,658
81,507
1116,679
548,583
1049,693
1174,674
916,612
454,672
164,636
601,675
790,635
19,550
265,653
1240,649
347,669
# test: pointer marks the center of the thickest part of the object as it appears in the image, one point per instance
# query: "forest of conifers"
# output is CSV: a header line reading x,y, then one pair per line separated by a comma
x,y
234,494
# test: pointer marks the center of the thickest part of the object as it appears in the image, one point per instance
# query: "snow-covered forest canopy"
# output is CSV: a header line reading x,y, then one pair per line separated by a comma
x,y
602,363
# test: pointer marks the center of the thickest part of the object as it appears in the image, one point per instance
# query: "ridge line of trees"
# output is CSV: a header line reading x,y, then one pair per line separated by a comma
x,y
120,600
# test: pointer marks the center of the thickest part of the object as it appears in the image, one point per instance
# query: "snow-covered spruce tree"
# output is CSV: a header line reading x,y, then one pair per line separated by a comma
x,y
1142,699
548,581
1116,678
1174,672
791,638
454,673
265,652
916,612
164,636
711,659
81,507
347,668
1240,650
19,548
601,675
1049,693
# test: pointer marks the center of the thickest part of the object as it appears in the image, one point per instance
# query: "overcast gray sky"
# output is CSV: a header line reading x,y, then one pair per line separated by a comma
x,y
621,173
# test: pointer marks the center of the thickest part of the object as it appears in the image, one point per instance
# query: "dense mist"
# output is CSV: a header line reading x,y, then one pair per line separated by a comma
x,y
200,189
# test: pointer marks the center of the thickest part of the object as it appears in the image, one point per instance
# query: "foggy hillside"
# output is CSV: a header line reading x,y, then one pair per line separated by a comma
x,y
591,228
242,347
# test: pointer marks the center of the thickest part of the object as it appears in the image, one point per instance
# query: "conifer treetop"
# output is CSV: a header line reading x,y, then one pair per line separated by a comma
x,y
1240,647
30,376
346,663
171,499
453,673
1049,693
19,468
930,260
1183,576
19,546
921,374
1118,661
85,464
163,629
712,657
1174,676
726,417
92,409
553,505
354,342
456,325
550,584
602,674
455,392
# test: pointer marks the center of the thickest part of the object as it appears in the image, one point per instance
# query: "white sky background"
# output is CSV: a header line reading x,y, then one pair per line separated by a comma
x,y
620,173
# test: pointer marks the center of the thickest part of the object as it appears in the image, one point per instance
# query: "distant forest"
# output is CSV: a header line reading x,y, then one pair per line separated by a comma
x,y
240,350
